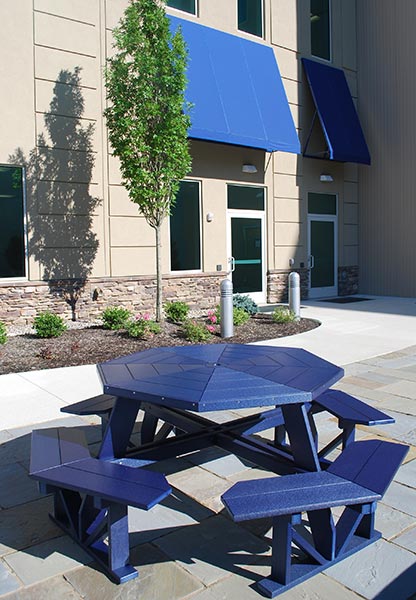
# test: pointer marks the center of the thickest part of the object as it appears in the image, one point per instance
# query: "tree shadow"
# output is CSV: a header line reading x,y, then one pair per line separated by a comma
x,y
60,207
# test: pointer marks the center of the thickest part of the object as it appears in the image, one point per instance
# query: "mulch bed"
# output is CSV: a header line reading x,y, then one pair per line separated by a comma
x,y
94,345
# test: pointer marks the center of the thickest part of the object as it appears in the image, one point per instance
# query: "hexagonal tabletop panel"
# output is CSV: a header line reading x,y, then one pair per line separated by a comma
x,y
219,376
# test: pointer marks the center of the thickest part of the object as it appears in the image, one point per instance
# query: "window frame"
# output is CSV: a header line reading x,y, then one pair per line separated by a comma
x,y
24,277
201,269
194,14
327,60
263,25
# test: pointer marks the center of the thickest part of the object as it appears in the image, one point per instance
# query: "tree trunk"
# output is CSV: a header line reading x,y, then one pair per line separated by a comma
x,y
159,316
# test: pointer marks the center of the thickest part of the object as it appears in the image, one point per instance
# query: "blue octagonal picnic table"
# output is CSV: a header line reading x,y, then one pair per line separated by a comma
x,y
176,384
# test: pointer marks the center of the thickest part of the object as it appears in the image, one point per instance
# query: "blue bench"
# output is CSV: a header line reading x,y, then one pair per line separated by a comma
x,y
101,406
357,480
91,496
350,412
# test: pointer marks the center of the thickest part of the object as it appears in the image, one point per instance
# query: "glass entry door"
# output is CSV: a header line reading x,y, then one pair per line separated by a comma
x,y
323,261
246,251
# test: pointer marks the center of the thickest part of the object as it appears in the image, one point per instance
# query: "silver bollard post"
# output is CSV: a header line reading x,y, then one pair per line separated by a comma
x,y
294,294
226,309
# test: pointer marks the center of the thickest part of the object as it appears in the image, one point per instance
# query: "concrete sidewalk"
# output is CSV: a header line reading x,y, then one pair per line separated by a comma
x,y
187,547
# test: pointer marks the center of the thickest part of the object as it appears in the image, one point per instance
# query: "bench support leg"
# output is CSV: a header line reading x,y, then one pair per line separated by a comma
x,y
90,524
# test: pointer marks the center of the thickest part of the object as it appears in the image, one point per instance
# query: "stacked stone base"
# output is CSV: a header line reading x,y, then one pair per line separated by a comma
x,y
348,280
278,285
19,303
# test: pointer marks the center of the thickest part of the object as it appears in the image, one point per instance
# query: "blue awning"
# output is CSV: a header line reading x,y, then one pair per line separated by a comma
x,y
337,114
236,89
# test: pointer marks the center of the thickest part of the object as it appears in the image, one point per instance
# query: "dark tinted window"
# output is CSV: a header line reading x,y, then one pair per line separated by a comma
x,y
185,5
250,16
322,204
185,231
12,245
245,198
320,29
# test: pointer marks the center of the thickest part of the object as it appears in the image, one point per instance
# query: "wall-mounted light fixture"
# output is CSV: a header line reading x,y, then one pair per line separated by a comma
x,y
249,169
326,178
210,217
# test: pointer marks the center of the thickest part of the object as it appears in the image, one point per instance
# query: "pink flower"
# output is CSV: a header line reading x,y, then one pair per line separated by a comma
x,y
211,328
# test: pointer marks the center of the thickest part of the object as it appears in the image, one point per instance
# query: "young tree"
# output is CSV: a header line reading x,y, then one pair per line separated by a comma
x,y
147,116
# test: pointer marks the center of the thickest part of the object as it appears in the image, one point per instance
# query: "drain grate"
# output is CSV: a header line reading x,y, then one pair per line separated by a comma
x,y
345,299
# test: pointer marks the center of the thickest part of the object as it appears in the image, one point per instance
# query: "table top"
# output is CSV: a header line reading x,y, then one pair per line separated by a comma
x,y
213,377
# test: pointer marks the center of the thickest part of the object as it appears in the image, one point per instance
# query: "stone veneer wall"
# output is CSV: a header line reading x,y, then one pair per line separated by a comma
x,y
348,280
278,285
20,302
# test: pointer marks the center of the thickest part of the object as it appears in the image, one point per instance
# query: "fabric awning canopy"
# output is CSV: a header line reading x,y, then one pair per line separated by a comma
x,y
236,89
337,114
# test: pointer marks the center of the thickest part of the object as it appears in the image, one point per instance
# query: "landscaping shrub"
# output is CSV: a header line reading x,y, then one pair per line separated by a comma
x,y
3,333
115,317
142,327
246,303
48,325
240,316
195,332
176,311
282,314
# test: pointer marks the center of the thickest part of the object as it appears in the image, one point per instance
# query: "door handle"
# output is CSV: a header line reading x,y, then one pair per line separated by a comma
x,y
311,261
231,261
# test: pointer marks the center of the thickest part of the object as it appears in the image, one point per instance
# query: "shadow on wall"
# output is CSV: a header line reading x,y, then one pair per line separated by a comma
x,y
60,207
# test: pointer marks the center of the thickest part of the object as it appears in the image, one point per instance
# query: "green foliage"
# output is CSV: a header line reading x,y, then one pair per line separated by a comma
x,y
195,332
246,303
48,325
176,311
142,328
282,314
115,317
240,316
147,115
3,333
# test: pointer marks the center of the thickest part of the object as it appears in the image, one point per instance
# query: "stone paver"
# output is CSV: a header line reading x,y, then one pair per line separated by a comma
x,y
382,570
186,547
159,579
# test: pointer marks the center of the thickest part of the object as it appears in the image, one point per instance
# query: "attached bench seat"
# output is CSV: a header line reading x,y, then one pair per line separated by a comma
x,y
91,496
357,479
101,405
350,412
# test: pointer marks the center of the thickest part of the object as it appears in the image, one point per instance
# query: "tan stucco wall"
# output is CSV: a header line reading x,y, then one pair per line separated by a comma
x,y
63,35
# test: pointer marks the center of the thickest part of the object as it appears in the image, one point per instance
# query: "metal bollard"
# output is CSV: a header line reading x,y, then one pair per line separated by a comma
x,y
294,294
226,309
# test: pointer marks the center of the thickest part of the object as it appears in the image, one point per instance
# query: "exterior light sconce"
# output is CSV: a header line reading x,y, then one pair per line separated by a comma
x,y
249,169
210,217
326,178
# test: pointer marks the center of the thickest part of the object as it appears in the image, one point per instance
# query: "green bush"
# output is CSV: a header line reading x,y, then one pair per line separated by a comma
x,y
195,332
115,317
176,311
48,325
282,314
240,316
3,333
246,303
142,328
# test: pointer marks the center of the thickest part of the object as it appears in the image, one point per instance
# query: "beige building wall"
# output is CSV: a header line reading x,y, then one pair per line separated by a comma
x,y
387,190
80,220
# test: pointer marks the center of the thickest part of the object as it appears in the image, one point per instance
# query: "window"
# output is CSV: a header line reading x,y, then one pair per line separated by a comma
x,y
185,5
12,235
322,204
245,198
185,229
320,29
250,16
